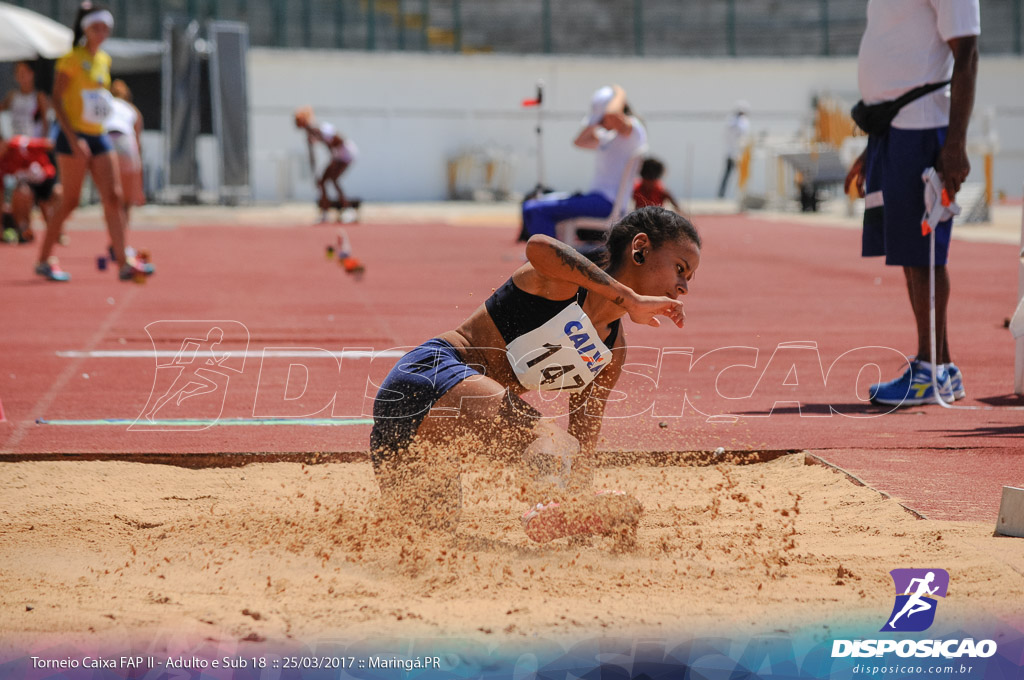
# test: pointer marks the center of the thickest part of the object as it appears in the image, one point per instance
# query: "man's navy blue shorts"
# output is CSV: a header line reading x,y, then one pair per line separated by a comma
x,y
894,197
409,391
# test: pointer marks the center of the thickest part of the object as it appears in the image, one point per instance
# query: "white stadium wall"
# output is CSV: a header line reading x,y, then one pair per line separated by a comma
x,y
409,113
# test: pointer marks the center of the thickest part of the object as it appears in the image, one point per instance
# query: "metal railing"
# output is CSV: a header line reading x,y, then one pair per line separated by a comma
x,y
719,28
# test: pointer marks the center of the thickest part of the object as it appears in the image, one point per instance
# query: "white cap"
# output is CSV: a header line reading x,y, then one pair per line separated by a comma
x,y
598,103
327,130
101,17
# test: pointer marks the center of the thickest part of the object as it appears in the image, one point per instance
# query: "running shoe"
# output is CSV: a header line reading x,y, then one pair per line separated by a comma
x,y
610,512
913,388
956,380
133,267
52,271
140,264
129,252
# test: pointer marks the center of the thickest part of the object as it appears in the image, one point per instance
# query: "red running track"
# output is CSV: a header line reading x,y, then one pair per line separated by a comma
x,y
781,320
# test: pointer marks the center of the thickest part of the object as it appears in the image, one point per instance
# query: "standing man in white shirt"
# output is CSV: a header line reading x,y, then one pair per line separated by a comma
x,y
908,44
737,128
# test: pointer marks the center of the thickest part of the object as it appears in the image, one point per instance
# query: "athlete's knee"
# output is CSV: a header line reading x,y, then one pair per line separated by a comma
x,y
555,439
22,191
70,198
547,466
553,443
111,195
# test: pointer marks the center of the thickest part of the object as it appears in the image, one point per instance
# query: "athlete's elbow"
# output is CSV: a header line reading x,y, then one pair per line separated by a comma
x,y
537,245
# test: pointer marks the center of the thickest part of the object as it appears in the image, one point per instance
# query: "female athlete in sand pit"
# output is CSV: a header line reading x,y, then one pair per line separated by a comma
x,y
553,326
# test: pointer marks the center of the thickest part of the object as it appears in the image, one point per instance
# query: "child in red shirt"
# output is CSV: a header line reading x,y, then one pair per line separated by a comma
x,y
27,160
649,190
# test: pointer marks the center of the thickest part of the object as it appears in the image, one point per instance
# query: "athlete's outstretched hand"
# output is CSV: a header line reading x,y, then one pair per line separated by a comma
x,y
645,309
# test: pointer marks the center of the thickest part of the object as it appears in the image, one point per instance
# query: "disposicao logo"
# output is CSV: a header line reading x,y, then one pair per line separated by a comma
x,y
916,590
914,612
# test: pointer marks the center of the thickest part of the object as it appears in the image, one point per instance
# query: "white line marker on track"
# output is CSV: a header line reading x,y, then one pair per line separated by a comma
x,y
254,354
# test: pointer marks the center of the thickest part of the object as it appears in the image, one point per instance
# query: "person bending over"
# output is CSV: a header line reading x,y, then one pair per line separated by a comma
x,y
615,135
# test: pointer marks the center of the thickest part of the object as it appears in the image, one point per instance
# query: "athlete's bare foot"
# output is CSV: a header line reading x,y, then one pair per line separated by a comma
x,y
607,513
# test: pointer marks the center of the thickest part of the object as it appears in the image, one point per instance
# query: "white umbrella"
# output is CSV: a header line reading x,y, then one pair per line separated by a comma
x,y
25,34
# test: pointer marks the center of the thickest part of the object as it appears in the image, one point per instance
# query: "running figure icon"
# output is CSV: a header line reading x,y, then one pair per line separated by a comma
x,y
916,603
196,377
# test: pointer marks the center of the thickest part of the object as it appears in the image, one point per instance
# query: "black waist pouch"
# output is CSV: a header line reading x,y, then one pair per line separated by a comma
x,y
875,119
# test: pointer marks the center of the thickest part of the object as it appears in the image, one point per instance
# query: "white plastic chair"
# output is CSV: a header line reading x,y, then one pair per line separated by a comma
x,y
567,230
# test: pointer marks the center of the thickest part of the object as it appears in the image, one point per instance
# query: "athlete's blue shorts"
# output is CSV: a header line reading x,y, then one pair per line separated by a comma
x,y
98,144
409,391
894,197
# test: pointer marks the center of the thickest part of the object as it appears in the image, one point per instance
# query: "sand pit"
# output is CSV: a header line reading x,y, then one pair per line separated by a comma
x,y
104,551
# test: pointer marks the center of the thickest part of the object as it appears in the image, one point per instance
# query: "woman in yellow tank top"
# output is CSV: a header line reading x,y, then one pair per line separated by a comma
x,y
81,100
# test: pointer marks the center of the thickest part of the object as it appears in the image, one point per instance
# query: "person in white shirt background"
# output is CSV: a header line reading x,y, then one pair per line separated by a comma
x,y
29,107
737,128
908,44
615,134
125,125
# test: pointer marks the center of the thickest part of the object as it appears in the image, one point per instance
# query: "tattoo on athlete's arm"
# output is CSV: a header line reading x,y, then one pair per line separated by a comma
x,y
576,262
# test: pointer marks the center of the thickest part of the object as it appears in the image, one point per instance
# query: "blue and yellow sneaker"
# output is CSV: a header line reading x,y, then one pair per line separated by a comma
x,y
956,381
913,388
